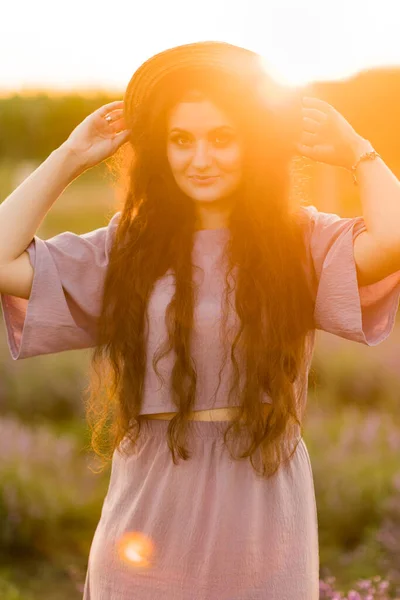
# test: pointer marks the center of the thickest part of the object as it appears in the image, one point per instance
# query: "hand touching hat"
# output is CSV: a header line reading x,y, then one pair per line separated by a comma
x,y
327,136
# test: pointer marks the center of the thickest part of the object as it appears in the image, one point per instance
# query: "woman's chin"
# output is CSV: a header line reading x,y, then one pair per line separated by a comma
x,y
207,198
208,195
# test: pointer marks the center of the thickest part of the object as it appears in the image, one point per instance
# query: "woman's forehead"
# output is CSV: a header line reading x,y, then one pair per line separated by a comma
x,y
198,114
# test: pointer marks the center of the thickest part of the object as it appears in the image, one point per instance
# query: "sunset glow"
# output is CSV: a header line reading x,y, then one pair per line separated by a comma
x,y
87,48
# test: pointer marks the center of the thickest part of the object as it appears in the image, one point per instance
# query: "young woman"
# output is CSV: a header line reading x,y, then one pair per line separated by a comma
x,y
201,298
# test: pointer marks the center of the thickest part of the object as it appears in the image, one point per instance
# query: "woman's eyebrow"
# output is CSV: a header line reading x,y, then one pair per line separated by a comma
x,y
180,130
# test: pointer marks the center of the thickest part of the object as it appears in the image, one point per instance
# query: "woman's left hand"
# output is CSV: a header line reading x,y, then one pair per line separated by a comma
x,y
326,135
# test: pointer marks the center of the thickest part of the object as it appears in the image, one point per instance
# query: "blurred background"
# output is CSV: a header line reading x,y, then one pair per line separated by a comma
x,y
61,62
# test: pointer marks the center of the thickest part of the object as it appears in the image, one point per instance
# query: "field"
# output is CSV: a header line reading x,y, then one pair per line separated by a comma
x,y
352,432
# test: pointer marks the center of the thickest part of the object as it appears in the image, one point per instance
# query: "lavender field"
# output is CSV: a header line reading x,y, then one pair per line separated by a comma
x,y
51,498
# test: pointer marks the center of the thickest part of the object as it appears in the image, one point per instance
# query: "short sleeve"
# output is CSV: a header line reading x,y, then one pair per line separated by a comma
x,y
65,300
364,314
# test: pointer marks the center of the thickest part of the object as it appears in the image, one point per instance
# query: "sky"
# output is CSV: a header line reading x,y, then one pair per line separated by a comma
x,y
97,45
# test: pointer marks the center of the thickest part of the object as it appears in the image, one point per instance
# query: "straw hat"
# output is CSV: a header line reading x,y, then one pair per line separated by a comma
x,y
197,57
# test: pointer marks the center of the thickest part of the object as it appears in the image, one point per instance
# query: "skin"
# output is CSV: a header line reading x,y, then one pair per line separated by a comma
x,y
202,140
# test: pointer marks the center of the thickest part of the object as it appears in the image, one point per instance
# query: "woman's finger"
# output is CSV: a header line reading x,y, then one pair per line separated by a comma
x,y
121,137
117,124
312,102
314,113
103,110
310,125
124,134
114,115
308,138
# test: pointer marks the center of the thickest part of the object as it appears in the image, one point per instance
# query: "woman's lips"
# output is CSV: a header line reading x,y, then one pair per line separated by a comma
x,y
204,180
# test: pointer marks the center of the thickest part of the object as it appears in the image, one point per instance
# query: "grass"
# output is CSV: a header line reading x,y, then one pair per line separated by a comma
x,y
35,579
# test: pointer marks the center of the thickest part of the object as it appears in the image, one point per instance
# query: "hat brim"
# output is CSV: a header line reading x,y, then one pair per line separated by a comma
x,y
198,55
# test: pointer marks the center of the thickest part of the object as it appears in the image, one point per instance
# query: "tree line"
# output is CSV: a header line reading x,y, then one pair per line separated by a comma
x,y
31,127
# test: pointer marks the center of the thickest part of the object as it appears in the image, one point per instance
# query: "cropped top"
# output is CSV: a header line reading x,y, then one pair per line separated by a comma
x,y
69,272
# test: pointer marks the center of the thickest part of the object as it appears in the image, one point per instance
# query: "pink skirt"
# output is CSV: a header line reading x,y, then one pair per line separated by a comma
x,y
207,528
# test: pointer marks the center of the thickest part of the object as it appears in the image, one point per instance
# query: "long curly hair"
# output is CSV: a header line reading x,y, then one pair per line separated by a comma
x,y
266,253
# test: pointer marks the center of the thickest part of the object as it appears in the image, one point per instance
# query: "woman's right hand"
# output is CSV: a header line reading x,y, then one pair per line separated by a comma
x,y
96,139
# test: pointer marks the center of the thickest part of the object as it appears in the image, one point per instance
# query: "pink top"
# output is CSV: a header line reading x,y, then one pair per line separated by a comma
x,y
69,273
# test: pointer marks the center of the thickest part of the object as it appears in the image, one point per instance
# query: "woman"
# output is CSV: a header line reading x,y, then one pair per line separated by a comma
x,y
201,298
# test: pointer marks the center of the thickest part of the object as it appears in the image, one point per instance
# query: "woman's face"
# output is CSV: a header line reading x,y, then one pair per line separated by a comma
x,y
202,141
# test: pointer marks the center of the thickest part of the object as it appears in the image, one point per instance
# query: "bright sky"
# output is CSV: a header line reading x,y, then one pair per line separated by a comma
x,y
96,44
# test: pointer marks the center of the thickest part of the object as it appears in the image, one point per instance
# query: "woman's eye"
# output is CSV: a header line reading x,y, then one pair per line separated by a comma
x,y
222,140
180,140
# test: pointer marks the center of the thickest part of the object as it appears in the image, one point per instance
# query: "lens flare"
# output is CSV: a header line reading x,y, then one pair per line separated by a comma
x,y
136,549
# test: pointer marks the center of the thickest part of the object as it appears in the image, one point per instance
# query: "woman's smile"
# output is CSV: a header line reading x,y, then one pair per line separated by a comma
x,y
201,180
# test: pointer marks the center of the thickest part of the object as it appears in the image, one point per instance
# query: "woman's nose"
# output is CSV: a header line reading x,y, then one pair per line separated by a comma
x,y
202,158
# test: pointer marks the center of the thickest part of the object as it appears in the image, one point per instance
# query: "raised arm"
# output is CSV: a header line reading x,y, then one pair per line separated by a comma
x,y
21,214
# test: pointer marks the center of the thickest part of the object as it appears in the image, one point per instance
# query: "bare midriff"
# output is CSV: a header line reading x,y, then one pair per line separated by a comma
x,y
213,414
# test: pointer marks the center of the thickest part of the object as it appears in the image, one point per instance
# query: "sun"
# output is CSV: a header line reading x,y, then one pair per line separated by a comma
x,y
288,75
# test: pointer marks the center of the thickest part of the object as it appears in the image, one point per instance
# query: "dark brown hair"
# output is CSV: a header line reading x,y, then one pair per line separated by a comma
x,y
267,250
